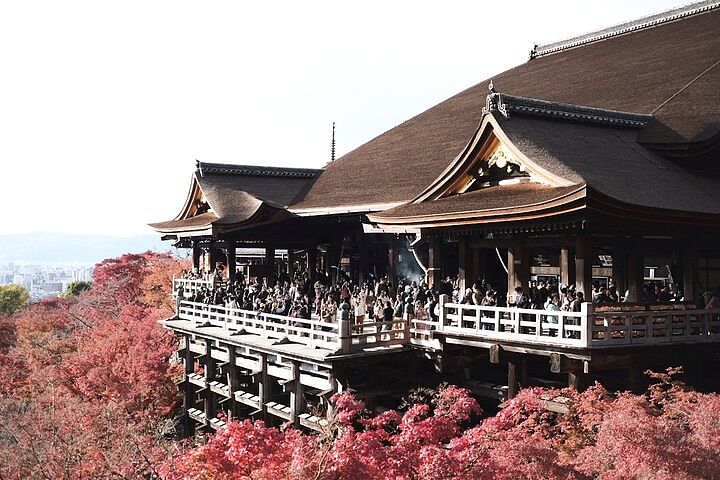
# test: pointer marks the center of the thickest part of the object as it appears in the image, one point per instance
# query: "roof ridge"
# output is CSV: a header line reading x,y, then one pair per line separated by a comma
x,y
505,103
257,170
625,27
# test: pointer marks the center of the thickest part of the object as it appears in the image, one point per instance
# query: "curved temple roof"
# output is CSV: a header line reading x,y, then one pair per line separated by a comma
x,y
580,113
577,163
663,70
228,197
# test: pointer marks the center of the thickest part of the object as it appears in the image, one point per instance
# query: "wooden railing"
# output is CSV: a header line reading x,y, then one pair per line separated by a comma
x,y
313,333
515,324
341,335
584,329
192,286
368,334
654,327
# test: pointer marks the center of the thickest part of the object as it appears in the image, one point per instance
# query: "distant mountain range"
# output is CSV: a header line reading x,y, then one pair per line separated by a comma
x,y
61,248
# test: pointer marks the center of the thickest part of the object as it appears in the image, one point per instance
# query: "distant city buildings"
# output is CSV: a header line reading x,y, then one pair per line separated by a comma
x,y
43,281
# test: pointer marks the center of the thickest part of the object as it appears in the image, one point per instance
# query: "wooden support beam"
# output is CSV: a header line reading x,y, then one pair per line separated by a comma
x,y
518,264
291,263
512,376
583,265
494,353
334,257
392,264
475,264
297,401
364,267
578,380
270,266
560,363
567,266
210,372
635,269
232,380
463,280
264,386
619,268
188,389
312,265
689,258
434,262
196,254
231,263
213,256
189,356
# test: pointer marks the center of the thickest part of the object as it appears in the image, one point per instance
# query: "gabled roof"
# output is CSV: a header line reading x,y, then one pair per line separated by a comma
x,y
667,68
237,196
582,157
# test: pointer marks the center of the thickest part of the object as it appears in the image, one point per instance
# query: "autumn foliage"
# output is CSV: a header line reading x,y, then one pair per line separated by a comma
x,y
668,433
87,391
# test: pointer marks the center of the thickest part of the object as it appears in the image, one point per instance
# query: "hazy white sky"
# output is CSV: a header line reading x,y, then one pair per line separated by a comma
x,y
104,106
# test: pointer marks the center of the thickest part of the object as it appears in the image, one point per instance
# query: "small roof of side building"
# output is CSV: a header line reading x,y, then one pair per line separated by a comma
x,y
650,68
224,197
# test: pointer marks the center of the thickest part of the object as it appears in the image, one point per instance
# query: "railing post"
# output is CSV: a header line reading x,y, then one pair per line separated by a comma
x,y
587,320
178,302
344,331
441,316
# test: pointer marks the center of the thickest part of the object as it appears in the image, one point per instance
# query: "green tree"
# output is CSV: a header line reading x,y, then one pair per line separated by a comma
x,y
12,299
75,288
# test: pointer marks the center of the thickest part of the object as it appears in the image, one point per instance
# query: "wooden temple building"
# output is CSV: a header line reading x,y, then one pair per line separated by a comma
x,y
597,159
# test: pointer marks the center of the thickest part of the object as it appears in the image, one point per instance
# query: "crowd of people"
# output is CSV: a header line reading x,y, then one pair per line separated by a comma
x,y
381,301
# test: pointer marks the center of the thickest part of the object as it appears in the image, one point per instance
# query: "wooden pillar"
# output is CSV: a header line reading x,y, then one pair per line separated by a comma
x,y
518,264
434,262
232,379
473,272
567,266
635,269
231,263
583,265
513,385
210,404
213,257
364,269
291,263
464,281
196,253
312,266
689,258
188,388
334,260
482,255
577,379
619,259
270,266
297,403
264,386
392,261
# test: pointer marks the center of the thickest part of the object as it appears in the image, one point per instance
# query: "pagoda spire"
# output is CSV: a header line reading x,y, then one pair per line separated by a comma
x,y
332,144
